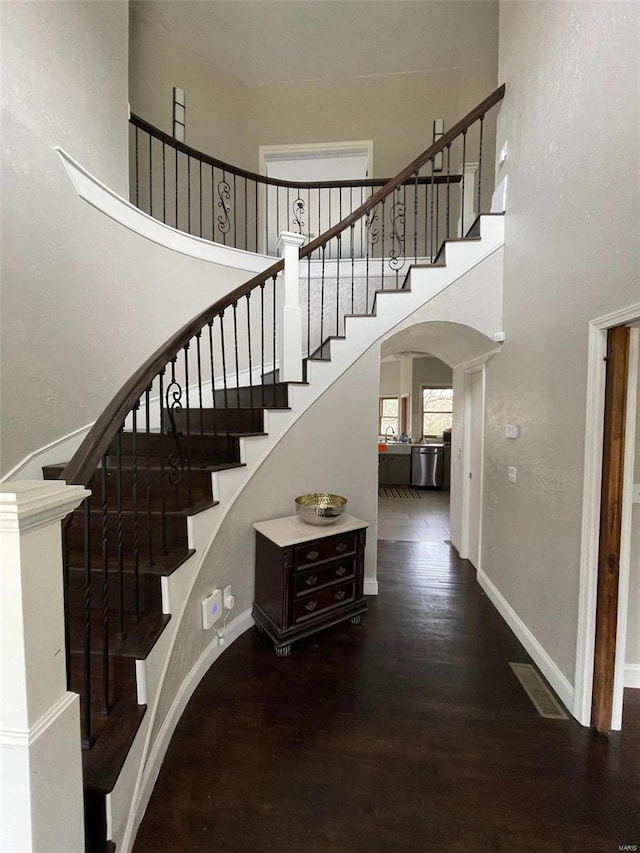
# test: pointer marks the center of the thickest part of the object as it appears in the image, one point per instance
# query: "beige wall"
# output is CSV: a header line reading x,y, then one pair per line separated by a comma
x,y
230,120
84,301
216,104
571,254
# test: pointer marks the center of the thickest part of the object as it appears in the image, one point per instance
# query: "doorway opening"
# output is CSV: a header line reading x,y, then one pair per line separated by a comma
x,y
608,651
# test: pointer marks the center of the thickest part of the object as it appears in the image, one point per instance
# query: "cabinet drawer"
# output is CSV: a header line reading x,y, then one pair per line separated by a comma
x,y
324,549
326,599
310,580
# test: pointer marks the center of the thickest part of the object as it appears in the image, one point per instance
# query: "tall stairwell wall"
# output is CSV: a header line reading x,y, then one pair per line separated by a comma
x,y
84,300
571,255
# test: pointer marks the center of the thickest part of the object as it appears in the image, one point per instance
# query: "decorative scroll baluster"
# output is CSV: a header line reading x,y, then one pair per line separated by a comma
x,y
298,213
224,196
397,236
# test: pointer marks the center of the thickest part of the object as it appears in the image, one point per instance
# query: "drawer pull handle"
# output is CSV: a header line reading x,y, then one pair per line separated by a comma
x,y
341,571
312,581
341,547
340,594
312,555
311,606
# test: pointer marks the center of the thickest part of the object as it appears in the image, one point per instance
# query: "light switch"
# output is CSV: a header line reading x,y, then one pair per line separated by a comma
x,y
511,430
512,474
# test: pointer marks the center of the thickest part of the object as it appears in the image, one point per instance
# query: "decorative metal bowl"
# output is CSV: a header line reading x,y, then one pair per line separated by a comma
x,y
320,508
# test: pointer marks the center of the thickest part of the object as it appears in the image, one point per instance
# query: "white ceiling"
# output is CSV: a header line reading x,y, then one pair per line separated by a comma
x,y
274,41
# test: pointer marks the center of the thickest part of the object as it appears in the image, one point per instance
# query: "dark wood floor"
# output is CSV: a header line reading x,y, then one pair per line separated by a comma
x,y
406,733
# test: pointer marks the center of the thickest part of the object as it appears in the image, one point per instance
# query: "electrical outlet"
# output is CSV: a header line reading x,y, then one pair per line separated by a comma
x,y
512,474
211,609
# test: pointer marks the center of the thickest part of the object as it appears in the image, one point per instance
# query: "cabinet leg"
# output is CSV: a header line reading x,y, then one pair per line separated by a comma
x,y
356,620
283,651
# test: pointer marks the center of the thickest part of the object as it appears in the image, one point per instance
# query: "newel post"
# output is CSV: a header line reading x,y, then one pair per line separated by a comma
x,y
291,338
40,753
468,197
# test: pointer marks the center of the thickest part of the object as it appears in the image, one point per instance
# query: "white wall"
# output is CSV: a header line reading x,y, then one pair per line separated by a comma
x,y
426,371
390,378
571,254
84,301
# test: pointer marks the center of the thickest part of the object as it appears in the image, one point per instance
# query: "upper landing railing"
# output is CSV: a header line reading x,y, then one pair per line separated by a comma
x,y
208,198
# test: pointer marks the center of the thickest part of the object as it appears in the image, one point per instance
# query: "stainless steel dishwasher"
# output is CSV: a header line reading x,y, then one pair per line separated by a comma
x,y
427,466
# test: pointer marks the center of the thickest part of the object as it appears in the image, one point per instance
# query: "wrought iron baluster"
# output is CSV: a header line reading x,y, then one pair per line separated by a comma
x,y
213,375
339,252
87,738
415,217
200,192
199,358
224,196
105,708
248,303
479,208
352,241
164,182
188,420
262,337
147,411
432,256
324,246
234,307
177,189
172,431
382,224
464,166
188,194
235,210
273,375
121,634
246,218
224,361
448,190
137,171
134,501
436,187
150,175
308,305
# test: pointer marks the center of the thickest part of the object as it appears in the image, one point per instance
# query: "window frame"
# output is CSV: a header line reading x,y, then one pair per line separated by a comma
x,y
435,387
381,399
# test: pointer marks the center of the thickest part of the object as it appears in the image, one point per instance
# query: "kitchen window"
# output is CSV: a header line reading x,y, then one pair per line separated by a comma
x,y
388,415
437,410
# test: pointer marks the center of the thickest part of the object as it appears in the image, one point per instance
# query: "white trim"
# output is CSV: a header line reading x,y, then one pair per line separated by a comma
x,y
25,738
122,211
632,675
466,452
558,681
62,449
318,149
154,760
594,434
370,586
30,504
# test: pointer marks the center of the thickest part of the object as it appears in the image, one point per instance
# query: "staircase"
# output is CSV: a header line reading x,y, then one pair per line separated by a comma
x,y
159,457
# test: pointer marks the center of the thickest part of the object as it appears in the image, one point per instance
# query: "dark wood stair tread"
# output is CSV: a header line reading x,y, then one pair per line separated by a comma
x,y
140,636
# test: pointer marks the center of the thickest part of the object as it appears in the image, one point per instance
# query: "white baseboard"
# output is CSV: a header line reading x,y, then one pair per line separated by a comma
x,y
558,681
370,586
212,652
632,675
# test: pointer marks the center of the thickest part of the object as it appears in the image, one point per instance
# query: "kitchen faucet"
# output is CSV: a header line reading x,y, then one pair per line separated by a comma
x,y
386,433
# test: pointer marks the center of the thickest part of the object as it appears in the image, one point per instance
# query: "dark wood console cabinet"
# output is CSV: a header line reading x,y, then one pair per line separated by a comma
x,y
307,577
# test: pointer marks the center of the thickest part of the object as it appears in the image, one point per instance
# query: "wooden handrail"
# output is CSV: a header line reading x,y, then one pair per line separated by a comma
x,y
167,139
81,467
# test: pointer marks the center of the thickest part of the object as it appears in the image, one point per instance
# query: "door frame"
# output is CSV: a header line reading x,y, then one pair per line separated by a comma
x,y
466,453
591,503
299,151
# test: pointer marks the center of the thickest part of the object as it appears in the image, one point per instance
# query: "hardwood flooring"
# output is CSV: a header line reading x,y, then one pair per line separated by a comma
x,y
406,733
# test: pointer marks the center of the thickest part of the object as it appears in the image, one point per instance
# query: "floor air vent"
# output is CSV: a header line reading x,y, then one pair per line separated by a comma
x,y
545,703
